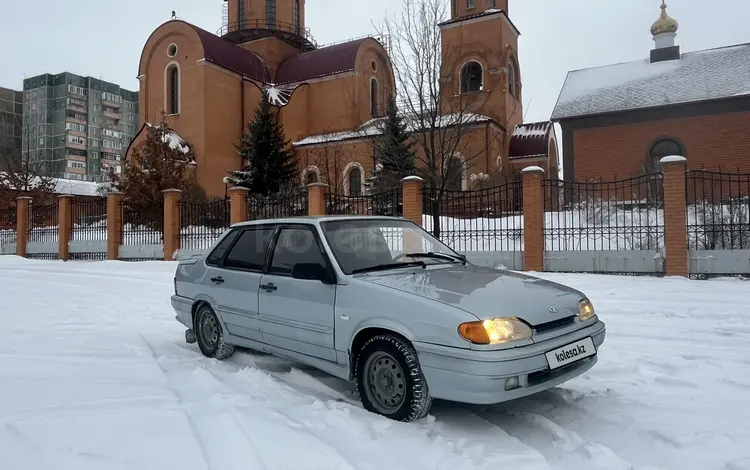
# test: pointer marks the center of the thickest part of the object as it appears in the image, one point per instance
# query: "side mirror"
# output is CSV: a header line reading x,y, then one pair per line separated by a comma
x,y
310,272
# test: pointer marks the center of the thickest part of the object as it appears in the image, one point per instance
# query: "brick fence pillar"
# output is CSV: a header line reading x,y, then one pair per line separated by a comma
x,y
114,224
172,224
316,198
22,224
412,198
64,225
533,219
675,216
237,204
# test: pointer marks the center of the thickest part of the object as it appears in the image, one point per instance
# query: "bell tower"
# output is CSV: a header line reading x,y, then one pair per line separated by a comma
x,y
461,8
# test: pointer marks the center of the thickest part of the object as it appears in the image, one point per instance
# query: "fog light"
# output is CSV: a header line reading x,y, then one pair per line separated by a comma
x,y
512,383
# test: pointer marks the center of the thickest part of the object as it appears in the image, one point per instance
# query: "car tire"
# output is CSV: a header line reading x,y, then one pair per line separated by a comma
x,y
390,380
209,334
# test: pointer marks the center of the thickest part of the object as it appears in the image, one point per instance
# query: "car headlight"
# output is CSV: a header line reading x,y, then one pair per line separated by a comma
x,y
585,310
494,330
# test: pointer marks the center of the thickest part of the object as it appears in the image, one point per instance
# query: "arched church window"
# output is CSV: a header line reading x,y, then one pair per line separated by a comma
x,y
512,79
471,77
454,174
296,16
271,14
663,148
373,98
173,89
311,177
355,181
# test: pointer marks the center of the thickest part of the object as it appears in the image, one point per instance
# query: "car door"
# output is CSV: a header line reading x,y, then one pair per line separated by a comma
x,y
237,281
297,314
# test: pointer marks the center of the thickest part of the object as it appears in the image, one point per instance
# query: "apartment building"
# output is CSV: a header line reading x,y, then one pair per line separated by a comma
x,y
77,126
11,117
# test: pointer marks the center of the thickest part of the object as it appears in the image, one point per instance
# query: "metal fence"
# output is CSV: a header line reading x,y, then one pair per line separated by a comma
x,y
481,220
202,222
387,203
7,231
625,214
718,210
142,223
43,235
89,229
276,206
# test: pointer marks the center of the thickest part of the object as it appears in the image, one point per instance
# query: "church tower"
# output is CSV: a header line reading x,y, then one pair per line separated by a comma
x,y
664,31
273,29
480,68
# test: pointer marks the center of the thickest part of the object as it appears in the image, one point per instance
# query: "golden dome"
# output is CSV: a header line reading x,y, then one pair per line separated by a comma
x,y
665,23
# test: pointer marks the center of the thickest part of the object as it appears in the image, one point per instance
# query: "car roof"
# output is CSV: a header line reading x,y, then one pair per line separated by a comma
x,y
315,219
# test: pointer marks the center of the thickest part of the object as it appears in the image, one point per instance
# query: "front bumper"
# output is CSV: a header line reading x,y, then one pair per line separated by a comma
x,y
479,377
184,309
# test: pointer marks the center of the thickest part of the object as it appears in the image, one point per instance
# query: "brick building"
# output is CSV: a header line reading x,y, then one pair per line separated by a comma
x,y
618,120
209,85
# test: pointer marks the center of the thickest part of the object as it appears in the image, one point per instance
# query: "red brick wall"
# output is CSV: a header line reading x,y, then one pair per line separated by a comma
x,y
712,142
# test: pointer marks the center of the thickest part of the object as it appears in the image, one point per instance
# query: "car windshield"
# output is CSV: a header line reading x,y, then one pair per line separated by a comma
x,y
361,245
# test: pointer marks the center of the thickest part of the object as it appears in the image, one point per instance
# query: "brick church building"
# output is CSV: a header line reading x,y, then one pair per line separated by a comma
x,y
619,120
328,97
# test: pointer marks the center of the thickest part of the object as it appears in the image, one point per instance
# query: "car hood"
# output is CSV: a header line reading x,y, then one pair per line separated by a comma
x,y
486,292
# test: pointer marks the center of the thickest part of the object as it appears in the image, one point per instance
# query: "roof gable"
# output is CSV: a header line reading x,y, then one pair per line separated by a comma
x,y
697,76
232,57
317,63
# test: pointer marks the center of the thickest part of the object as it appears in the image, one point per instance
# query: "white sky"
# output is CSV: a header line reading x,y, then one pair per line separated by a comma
x,y
104,38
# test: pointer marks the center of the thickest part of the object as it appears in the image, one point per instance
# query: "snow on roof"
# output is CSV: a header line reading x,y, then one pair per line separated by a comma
x,y
697,76
372,128
73,187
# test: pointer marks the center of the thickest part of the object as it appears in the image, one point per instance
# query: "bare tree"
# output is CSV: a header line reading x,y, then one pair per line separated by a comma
x,y
24,172
330,160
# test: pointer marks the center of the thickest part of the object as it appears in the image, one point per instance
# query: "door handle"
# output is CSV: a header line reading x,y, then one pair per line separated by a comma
x,y
268,287
217,280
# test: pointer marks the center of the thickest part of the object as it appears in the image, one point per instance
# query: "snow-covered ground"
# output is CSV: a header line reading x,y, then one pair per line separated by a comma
x,y
95,374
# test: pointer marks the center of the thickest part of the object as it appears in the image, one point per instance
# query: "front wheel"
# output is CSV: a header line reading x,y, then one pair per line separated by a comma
x,y
390,380
209,334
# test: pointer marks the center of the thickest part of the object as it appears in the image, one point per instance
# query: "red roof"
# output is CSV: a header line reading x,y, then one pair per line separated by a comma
x,y
530,140
318,63
231,57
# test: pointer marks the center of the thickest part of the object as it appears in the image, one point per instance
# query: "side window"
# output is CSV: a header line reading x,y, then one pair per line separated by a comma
x,y
215,257
250,250
295,245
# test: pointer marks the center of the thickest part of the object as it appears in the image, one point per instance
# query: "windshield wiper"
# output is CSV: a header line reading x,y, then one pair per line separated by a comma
x,y
431,254
381,267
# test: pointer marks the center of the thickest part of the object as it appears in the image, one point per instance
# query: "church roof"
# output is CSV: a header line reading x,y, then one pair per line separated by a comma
x,y
317,63
697,76
530,140
231,57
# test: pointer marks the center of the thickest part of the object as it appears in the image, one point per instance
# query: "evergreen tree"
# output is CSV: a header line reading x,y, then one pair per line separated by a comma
x,y
269,166
393,153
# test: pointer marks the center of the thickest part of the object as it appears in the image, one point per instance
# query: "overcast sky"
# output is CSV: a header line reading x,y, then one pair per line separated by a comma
x,y
104,38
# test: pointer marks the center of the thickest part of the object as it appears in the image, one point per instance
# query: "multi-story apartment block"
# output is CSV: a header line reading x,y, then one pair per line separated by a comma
x,y
11,117
77,126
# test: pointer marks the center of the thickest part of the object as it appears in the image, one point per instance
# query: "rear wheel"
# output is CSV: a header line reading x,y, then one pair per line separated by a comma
x,y
390,380
209,334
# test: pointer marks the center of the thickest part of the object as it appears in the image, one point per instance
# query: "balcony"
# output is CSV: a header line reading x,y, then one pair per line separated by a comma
x,y
238,32
112,114
111,104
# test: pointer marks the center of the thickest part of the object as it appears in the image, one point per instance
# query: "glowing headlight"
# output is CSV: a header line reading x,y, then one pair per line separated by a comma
x,y
494,331
585,310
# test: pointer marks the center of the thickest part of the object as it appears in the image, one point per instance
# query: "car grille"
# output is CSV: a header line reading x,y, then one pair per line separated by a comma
x,y
555,324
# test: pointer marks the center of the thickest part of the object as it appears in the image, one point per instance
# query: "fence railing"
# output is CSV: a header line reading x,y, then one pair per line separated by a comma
x,y
482,220
89,220
625,214
718,210
44,223
202,222
389,203
7,230
142,223
285,204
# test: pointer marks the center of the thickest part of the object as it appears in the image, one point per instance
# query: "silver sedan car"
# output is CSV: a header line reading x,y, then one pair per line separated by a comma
x,y
380,301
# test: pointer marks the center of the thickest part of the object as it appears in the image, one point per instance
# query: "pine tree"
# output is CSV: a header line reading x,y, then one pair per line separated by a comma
x,y
393,152
269,166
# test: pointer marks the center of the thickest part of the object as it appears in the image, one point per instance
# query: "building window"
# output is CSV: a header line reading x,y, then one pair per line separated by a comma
x,y
240,14
173,89
355,181
512,80
311,177
172,50
469,3
271,14
471,77
454,174
296,16
661,149
492,4
374,98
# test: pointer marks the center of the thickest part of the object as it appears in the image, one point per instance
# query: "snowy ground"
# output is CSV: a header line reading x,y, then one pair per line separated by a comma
x,y
95,374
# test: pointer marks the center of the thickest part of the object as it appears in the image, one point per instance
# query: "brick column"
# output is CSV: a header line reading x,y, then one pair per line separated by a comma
x,y
172,223
65,225
237,204
114,224
316,198
22,224
533,219
675,216
412,198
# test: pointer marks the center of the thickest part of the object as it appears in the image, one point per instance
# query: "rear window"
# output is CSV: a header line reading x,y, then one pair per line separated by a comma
x,y
250,250
215,257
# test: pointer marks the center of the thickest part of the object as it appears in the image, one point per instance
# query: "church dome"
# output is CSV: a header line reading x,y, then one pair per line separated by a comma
x,y
665,23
